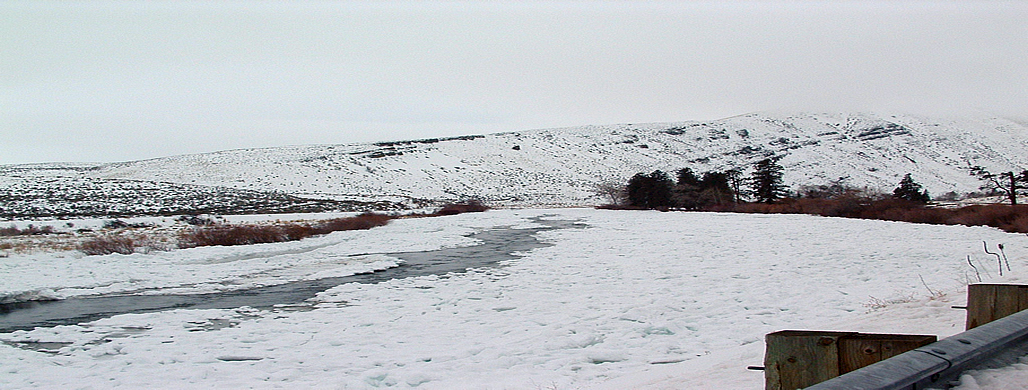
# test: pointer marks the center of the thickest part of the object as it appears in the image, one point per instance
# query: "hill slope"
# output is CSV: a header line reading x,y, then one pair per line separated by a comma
x,y
561,166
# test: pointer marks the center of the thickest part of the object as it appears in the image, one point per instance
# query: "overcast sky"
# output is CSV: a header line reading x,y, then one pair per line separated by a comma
x,y
119,81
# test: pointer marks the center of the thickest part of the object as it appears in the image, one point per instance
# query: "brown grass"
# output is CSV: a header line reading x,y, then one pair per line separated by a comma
x,y
1012,219
31,230
361,222
472,206
106,245
248,234
245,234
150,240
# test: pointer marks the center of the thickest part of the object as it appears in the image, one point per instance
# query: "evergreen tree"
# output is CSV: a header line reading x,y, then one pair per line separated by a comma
x,y
650,191
909,190
637,189
715,187
687,178
767,181
660,195
686,193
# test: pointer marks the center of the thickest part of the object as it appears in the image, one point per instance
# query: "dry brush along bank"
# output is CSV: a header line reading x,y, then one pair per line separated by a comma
x,y
119,237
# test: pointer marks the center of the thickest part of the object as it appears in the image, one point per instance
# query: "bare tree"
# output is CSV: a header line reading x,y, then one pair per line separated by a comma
x,y
735,181
612,190
1009,183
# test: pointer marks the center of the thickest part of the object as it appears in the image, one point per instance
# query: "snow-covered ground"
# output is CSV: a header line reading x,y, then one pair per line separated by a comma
x,y
632,299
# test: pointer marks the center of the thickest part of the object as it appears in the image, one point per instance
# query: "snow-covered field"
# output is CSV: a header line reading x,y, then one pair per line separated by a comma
x,y
631,299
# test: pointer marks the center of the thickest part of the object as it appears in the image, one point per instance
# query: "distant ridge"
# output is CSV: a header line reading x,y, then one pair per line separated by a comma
x,y
561,166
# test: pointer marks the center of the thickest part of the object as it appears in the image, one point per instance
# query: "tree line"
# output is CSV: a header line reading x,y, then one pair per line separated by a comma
x,y
657,190
688,190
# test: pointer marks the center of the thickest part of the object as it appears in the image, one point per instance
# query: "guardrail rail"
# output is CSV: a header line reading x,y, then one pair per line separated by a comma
x,y
935,366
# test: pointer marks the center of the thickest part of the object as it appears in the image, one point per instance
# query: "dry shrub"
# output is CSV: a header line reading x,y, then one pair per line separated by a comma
x,y
816,206
876,303
472,206
108,244
31,230
230,235
10,231
296,231
248,234
1017,225
895,210
361,222
753,208
1008,218
150,244
915,215
619,207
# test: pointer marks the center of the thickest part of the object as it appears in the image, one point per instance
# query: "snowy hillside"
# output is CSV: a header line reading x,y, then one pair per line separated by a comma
x,y
57,192
561,166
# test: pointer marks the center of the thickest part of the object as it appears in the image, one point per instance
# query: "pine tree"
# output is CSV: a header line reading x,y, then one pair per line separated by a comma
x,y
909,190
767,181
715,187
637,189
686,192
650,191
686,177
660,193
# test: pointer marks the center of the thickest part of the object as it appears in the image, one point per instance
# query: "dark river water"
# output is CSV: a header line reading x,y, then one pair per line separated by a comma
x,y
495,246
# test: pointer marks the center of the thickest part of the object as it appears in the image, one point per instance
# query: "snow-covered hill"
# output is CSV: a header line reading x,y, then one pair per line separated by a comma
x,y
562,166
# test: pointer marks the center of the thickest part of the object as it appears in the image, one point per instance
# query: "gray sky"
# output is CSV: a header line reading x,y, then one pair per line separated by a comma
x,y
127,80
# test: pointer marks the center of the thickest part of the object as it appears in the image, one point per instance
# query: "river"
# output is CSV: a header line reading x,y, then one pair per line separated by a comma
x,y
495,246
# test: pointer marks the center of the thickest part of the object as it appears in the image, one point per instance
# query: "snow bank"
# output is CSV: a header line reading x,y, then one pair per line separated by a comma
x,y
27,296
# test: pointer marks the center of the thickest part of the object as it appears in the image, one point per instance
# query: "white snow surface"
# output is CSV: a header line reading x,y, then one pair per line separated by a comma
x,y
1013,377
631,299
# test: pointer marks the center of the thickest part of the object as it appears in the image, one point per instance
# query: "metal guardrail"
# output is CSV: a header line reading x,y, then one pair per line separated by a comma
x,y
934,366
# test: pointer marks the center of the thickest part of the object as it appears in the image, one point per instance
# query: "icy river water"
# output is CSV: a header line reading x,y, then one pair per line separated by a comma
x,y
495,246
